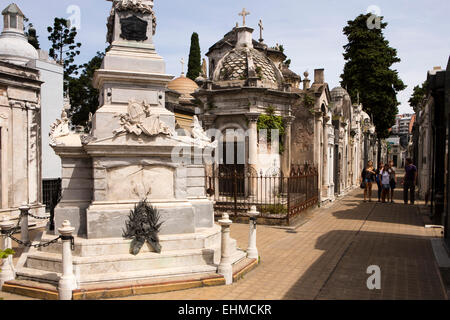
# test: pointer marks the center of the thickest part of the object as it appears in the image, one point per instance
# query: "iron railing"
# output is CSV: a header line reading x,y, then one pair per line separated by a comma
x,y
275,195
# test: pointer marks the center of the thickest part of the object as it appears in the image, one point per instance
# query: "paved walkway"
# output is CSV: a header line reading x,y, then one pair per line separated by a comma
x,y
327,257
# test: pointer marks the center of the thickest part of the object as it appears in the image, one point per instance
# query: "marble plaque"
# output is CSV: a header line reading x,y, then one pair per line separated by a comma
x,y
139,182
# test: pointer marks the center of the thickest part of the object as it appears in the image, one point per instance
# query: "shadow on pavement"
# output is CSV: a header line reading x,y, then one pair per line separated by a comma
x,y
408,269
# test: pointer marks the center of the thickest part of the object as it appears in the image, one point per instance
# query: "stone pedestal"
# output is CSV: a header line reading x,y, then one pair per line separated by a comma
x,y
225,267
24,210
7,272
252,251
68,282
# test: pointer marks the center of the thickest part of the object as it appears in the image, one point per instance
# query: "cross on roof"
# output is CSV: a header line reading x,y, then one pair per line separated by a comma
x,y
261,28
244,14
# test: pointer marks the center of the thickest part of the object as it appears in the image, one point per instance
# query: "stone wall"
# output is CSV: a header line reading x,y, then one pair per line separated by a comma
x,y
302,144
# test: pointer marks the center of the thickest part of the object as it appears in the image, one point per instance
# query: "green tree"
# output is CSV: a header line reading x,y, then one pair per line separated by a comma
x,y
270,121
30,33
195,64
64,49
367,71
417,97
83,96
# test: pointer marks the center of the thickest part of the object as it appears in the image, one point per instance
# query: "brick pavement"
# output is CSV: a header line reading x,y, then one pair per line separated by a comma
x,y
327,257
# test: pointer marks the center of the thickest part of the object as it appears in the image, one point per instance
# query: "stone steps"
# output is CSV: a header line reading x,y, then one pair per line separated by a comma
x,y
53,277
92,248
52,262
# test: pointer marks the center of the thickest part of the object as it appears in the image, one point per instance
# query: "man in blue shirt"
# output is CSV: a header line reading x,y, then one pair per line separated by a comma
x,y
409,185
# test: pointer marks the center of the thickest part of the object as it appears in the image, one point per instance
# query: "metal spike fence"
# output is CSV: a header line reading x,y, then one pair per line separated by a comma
x,y
274,194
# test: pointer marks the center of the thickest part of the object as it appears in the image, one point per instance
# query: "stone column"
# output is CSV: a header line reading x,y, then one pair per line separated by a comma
x,y
24,209
287,155
318,117
7,272
4,181
225,267
253,150
326,160
252,251
253,139
68,282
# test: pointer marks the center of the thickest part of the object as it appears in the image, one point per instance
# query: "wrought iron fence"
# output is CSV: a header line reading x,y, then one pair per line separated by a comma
x,y
275,195
51,193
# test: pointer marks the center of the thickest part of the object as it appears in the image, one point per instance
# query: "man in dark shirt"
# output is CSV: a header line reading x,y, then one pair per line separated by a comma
x,y
409,185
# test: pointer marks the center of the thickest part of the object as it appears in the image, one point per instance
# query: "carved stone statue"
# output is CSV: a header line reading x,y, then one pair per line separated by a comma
x,y
139,120
204,69
60,128
200,136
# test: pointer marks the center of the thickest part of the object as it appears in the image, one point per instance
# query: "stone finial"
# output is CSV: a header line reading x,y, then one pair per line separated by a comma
x,y
24,207
225,219
253,211
66,228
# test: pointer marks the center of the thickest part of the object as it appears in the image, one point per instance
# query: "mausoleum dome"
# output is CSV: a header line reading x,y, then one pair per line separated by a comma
x,y
14,46
338,93
183,85
236,64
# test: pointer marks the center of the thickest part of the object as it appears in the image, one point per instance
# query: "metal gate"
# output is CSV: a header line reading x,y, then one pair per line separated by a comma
x,y
274,194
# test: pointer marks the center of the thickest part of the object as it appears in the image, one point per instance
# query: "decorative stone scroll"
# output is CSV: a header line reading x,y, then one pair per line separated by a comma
x,y
139,120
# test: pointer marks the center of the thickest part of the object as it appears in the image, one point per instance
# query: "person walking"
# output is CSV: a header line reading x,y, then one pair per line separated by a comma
x,y
385,175
393,181
409,183
378,180
368,178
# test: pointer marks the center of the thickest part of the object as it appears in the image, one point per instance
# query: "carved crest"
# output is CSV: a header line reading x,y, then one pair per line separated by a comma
x,y
139,120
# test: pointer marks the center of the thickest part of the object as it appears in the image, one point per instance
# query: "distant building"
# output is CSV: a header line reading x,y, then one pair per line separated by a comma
x,y
395,151
32,83
403,124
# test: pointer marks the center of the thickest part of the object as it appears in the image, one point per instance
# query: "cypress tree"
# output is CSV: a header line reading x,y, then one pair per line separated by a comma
x,y
367,71
195,64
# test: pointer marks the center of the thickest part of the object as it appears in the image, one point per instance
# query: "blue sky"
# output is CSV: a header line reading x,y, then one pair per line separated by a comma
x,y
311,31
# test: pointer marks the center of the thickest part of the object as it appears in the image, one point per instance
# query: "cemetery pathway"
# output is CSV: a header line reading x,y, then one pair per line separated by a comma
x,y
328,257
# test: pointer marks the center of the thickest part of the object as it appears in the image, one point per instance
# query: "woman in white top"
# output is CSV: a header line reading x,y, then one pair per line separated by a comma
x,y
385,182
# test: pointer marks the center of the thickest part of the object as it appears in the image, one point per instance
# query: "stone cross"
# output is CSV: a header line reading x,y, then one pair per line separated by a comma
x,y
244,14
261,28
182,65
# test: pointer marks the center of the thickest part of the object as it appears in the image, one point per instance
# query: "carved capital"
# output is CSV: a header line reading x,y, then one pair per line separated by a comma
x,y
17,104
208,119
252,117
289,120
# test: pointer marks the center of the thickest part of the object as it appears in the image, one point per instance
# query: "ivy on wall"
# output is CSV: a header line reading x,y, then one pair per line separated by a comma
x,y
269,122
